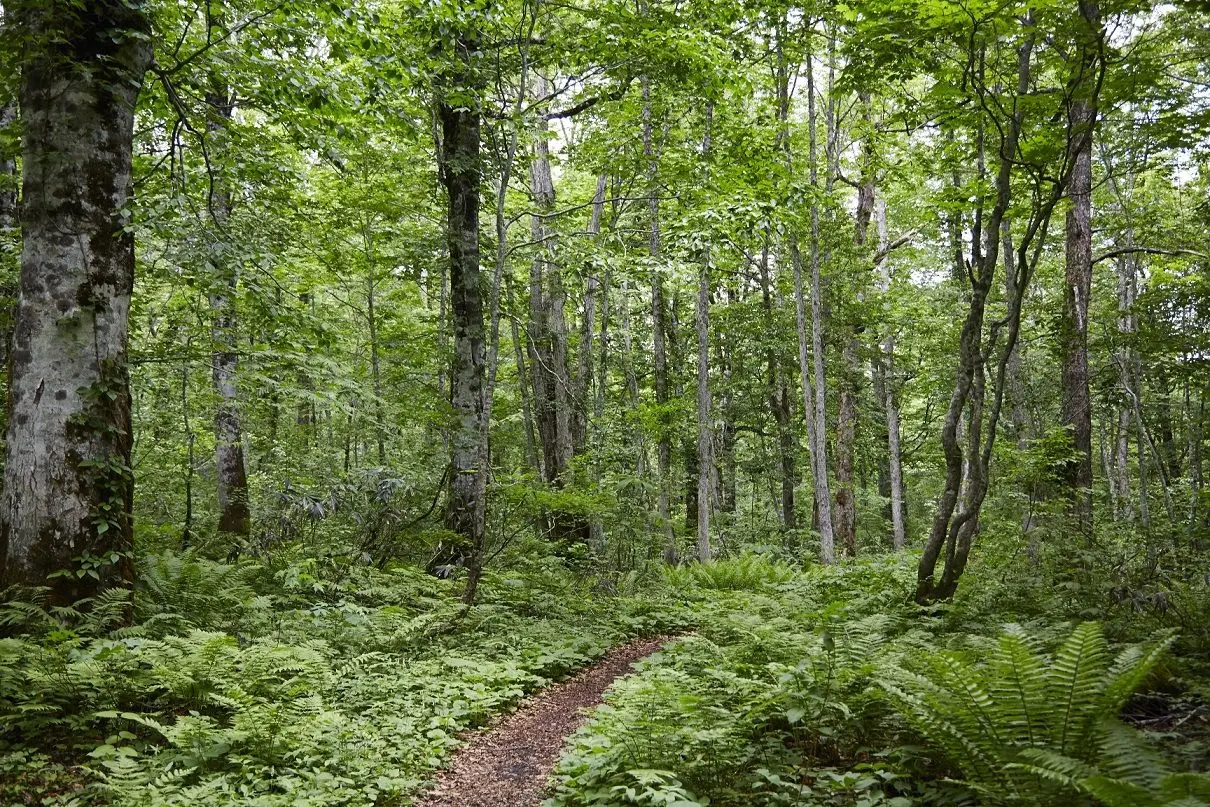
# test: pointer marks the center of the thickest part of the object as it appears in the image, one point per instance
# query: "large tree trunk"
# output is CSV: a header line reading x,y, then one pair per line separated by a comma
x,y
466,506
235,517
1076,408
68,485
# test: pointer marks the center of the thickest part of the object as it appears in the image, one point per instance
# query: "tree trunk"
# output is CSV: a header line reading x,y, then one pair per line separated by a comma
x,y
658,332
584,370
380,438
812,369
68,484
632,380
890,402
548,340
10,234
235,517
846,420
705,434
966,476
779,403
1076,408
460,171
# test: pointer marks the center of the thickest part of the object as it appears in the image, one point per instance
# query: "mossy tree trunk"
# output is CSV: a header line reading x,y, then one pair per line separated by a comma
x,y
67,478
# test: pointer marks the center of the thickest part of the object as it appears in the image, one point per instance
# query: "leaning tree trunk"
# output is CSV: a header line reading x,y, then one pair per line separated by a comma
x,y
67,479
235,518
466,505
966,476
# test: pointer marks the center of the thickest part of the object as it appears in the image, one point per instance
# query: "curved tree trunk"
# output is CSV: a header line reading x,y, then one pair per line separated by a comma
x,y
67,480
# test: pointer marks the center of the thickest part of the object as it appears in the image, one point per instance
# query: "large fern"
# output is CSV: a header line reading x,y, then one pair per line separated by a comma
x,y
1025,727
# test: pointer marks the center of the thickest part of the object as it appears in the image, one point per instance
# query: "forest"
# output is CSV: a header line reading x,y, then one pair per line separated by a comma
x,y
504,403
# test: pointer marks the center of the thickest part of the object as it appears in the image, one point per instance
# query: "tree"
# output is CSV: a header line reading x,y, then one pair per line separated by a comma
x,y
68,486
461,171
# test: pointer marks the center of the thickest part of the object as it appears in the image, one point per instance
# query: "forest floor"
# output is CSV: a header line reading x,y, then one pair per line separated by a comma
x,y
509,763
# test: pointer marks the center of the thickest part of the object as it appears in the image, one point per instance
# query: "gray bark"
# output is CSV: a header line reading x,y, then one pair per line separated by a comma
x,y
548,338
658,331
813,381
705,435
235,517
68,485
890,402
10,245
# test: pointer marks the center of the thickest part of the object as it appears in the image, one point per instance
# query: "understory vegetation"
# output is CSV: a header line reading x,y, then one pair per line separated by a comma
x,y
301,680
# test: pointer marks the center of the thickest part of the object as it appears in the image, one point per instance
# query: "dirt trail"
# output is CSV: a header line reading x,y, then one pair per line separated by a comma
x,y
508,764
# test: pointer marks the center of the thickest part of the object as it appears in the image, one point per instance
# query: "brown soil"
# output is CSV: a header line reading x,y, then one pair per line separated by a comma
x,y
508,764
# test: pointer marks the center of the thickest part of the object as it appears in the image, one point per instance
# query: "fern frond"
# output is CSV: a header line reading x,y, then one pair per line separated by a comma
x,y
1017,682
1130,669
1075,680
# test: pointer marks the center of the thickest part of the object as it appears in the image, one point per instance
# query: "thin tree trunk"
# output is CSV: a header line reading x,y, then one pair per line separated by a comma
x,y
235,517
68,485
813,380
890,402
705,435
780,405
658,331
375,365
632,380
1125,361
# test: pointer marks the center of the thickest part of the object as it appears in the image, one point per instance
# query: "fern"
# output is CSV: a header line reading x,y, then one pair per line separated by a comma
x,y
1029,727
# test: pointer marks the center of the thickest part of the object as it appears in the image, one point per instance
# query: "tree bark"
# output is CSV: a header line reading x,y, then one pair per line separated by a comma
x,y
658,332
812,369
705,434
780,404
235,517
1076,407
548,340
460,171
68,485
890,402
10,234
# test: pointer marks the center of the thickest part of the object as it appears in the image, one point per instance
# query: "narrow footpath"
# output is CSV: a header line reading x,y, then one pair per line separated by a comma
x,y
508,763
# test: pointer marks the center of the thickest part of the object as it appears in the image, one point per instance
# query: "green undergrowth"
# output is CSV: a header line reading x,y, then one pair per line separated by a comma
x,y
827,687
308,682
